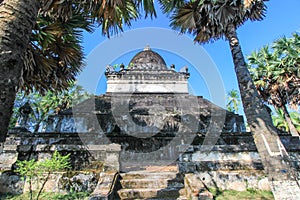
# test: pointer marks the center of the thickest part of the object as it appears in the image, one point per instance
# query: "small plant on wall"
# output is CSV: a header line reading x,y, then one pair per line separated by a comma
x,y
40,171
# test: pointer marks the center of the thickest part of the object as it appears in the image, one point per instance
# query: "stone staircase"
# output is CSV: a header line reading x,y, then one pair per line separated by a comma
x,y
151,185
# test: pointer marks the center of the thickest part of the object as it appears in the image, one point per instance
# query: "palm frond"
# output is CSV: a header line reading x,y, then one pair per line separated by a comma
x,y
54,57
147,6
184,19
168,6
211,17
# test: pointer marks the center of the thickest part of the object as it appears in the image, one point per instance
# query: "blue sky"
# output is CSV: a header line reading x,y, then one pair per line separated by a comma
x,y
282,19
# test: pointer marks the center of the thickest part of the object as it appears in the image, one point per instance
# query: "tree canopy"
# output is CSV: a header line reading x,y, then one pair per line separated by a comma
x,y
233,101
54,55
208,20
275,71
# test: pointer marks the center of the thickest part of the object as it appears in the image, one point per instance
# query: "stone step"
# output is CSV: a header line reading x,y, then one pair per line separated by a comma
x,y
129,165
149,193
104,185
150,183
148,175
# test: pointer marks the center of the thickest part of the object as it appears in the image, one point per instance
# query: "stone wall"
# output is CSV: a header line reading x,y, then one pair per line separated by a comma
x,y
90,157
26,146
231,152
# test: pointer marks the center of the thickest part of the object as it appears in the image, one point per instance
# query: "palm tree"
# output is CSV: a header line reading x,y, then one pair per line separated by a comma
x,y
54,55
43,106
276,76
234,101
288,51
210,20
18,20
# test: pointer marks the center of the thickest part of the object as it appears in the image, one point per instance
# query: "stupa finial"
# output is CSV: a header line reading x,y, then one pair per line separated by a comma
x,y
147,48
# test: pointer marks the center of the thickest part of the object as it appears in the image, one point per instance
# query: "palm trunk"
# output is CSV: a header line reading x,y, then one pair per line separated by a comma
x,y
292,127
17,18
271,151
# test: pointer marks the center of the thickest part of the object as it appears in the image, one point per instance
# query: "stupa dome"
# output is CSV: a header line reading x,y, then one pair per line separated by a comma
x,y
147,60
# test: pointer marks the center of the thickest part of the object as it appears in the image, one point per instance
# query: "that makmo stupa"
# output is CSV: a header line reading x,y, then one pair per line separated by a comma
x,y
147,137
148,97
147,106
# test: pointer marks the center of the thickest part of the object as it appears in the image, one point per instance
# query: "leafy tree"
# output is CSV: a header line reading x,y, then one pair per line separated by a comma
x,y
210,20
295,116
234,101
281,123
28,49
41,170
276,74
46,105
28,169
279,120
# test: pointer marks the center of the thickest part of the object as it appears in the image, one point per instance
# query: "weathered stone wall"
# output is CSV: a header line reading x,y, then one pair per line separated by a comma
x,y
90,157
60,182
197,185
132,113
231,152
26,146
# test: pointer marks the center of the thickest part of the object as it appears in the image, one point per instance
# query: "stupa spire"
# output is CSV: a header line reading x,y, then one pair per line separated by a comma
x,y
147,48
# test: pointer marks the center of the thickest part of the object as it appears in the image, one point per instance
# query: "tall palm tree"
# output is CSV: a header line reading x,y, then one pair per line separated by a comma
x,y
210,20
18,20
276,76
288,51
234,101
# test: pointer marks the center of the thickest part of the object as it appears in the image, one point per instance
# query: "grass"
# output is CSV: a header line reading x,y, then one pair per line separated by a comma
x,y
48,196
219,195
250,194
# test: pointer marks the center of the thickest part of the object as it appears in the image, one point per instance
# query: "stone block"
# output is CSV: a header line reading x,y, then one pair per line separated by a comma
x,y
52,185
7,160
206,195
240,180
263,184
113,160
11,183
187,167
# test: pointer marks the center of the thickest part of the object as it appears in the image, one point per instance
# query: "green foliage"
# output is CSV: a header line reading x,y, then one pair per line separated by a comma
x,y
41,170
54,56
58,162
237,195
233,101
46,105
280,122
209,20
276,72
295,116
48,195
27,169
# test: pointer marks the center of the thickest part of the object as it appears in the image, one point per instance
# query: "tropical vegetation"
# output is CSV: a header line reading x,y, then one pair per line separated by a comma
x,y
280,122
207,20
210,20
40,171
43,106
276,75
233,101
40,42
